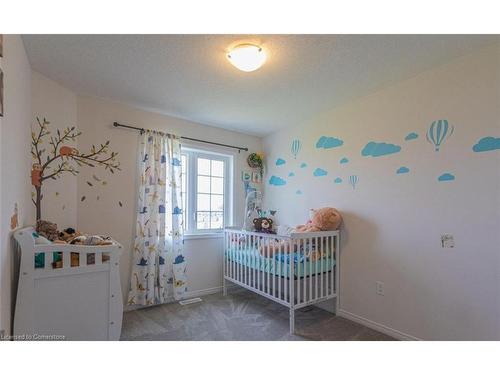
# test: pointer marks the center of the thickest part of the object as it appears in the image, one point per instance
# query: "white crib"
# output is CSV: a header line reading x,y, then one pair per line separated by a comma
x,y
301,269
81,299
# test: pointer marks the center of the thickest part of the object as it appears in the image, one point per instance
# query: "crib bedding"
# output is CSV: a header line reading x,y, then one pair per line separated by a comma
x,y
280,264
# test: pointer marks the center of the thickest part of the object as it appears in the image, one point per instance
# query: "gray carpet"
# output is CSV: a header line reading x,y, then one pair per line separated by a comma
x,y
242,315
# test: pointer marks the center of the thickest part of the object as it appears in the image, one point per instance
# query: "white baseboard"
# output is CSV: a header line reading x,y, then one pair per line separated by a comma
x,y
203,292
187,295
377,326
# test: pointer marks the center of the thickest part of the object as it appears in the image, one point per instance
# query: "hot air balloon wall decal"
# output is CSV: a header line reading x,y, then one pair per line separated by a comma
x,y
439,132
353,181
296,145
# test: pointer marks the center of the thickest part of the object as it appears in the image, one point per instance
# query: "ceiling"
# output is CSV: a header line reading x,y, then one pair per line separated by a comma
x,y
188,76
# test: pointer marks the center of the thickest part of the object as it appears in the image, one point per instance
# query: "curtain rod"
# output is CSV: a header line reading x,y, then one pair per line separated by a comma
x,y
142,130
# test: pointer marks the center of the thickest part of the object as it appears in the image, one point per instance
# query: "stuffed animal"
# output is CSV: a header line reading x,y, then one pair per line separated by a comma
x,y
47,230
91,241
322,219
263,225
68,235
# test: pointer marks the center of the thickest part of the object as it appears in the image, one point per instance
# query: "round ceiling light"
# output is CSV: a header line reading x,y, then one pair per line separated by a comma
x,y
247,57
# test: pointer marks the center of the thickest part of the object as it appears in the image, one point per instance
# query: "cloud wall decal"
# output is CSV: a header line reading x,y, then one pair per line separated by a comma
x,y
411,136
276,181
338,180
376,149
291,174
329,142
402,170
318,172
303,165
446,177
298,192
344,161
487,144
280,161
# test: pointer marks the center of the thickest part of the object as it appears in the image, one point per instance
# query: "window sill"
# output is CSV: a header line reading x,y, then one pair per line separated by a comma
x,y
202,236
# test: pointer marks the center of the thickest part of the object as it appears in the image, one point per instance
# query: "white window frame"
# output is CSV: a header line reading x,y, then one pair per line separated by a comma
x,y
193,154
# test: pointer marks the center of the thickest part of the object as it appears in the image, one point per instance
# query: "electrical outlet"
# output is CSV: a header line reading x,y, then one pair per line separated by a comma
x,y
379,288
447,240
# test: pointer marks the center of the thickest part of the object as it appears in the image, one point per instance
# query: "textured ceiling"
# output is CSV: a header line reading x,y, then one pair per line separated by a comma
x,y
188,76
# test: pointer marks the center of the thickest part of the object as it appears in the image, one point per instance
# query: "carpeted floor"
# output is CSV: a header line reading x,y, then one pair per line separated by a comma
x,y
242,315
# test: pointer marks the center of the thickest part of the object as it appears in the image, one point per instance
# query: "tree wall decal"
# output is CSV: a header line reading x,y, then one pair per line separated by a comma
x,y
67,158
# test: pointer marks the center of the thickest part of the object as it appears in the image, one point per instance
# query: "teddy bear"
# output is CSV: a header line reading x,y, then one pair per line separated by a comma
x,y
322,219
263,225
47,230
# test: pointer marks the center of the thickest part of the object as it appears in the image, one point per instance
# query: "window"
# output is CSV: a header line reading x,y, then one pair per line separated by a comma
x,y
206,182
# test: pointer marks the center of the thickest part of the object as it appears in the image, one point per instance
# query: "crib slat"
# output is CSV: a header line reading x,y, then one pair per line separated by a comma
x,y
321,272
274,270
280,272
244,261
250,251
233,258
299,270
316,269
230,255
66,257
263,267
286,273
325,269
226,249
337,266
268,265
240,263
332,271
253,257
310,271
98,257
302,273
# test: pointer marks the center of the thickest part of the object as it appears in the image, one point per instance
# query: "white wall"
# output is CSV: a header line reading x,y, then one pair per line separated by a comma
x,y
58,105
95,119
393,222
15,161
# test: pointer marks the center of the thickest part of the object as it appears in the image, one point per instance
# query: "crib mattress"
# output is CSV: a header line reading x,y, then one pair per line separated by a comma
x,y
280,265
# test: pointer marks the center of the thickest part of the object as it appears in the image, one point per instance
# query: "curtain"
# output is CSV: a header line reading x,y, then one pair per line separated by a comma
x,y
158,268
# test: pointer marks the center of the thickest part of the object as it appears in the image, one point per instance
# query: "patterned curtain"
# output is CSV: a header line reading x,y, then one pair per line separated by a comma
x,y
159,267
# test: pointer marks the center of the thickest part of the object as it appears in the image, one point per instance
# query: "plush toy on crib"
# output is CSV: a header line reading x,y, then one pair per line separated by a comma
x,y
68,235
47,229
263,225
322,219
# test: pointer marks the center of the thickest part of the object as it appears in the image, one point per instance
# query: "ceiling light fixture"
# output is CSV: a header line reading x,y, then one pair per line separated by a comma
x,y
247,57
